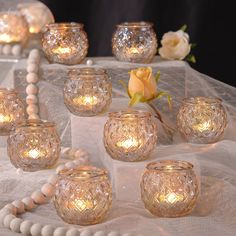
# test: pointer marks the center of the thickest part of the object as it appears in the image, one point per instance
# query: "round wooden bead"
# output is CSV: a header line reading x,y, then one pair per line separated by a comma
x,y
3,214
32,109
72,232
15,225
70,165
29,203
47,230
31,89
34,117
80,153
16,50
7,220
33,68
19,205
59,168
86,232
53,179
38,197
89,62
36,229
6,50
113,234
31,99
25,227
12,208
65,151
34,53
48,190
77,162
60,231
100,233
32,78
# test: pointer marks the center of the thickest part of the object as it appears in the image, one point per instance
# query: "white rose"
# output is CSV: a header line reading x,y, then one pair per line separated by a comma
x,y
175,45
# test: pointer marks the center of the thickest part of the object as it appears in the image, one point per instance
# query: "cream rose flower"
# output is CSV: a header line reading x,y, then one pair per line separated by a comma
x,y
142,82
175,45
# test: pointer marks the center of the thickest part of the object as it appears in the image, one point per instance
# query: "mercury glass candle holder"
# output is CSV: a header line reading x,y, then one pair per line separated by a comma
x,y
13,28
65,43
130,135
83,195
88,91
34,145
202,119
134,42
12,110
169,188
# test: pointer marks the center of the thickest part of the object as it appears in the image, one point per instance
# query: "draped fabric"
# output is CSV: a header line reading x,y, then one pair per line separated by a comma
x,y
210,25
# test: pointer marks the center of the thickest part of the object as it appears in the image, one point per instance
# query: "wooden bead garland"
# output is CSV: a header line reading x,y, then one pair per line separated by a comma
x,y
13,50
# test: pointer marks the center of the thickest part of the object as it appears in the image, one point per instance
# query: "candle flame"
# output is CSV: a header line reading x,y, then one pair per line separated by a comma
x,y
82,205
34,153
6,38
5,118
170,198
61,50
133,50
86,100
204,126
128,143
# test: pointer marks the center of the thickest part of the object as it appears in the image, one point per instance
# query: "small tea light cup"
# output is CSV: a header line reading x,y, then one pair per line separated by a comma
x,y
83,195
169,188
34,145
130,135
202,119
65,43
134,42
12,110
13,28
88,91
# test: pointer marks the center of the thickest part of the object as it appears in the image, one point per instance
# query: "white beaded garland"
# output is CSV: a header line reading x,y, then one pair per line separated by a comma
x,y
19,205
32,109
48,190
89,62
36,229
31,89
113,234
47,230
53,179
70,165
59,168
32,68
6,50
15,225
100,233
16,50
34,117
86,232
60,231
38,197
72,232
1,46
25,227
32,78
7,220
29,203
12,208
31,99
34,53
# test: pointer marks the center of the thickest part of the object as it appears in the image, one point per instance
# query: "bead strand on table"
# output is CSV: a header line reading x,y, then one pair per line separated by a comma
x,y
10,50
32,78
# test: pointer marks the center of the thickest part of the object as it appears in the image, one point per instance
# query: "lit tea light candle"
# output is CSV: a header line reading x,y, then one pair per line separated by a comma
x,y
62,50
130,135
133,50
83,195
12,110
34,145
202,119
87,91
169,188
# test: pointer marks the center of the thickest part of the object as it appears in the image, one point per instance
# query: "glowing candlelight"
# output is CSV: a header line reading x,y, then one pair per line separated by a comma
x,y
128,143
62,50
5,118
202,127
86,100
81,205
6,38
133,50
170,198
34,153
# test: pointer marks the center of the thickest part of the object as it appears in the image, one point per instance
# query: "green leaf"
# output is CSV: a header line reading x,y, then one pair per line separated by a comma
x,y
184,27
191,58
124,85
193,45
163,93
135,99
158,76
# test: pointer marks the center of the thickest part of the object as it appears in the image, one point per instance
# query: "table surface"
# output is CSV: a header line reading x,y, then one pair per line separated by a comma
x,y
215,213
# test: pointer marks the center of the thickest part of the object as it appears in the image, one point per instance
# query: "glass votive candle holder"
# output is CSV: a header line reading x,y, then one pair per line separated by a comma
x,y
34,145
87,91
169,188
65,43
13,28
12,110
83,195
134,42
202,119
130,135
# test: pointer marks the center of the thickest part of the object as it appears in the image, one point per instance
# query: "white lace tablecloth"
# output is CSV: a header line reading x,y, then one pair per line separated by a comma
x,y
215,213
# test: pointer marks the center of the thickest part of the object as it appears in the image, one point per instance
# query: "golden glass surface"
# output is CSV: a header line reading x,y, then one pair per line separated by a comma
x,y
169,188
202,119
87,91
34,145
83,195
12,110
65,43
134,42
130,135
13,28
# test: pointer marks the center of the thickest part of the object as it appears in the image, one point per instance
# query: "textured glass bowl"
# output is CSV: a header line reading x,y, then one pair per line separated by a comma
x,y
65,43
13,28
130,135
134,42
12,110
169,188
88,91
34,145
83,195
202,119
